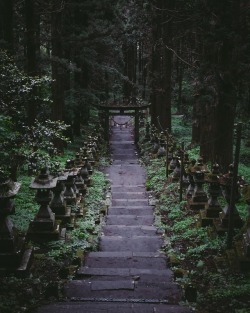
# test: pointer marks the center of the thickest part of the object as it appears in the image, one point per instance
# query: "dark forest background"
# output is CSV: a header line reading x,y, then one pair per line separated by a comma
x,y
58,58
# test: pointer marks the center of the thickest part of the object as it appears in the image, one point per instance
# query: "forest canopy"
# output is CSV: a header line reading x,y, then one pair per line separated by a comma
x,y
59,58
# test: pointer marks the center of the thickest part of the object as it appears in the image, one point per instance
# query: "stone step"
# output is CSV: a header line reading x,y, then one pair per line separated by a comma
x,y
115,306
124,143
129,202
127,162
137,243
128,189
129,195
120,150
129,220
126,254
124,262
123,289
127,174
129,231
116,210
122,157
163,275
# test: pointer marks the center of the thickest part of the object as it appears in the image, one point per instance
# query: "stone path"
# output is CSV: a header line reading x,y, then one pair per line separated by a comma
x,y
129,273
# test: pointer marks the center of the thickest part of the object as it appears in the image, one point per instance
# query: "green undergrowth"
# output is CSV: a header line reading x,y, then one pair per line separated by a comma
x,y
56,262
25,204
195,252
181,128
85,235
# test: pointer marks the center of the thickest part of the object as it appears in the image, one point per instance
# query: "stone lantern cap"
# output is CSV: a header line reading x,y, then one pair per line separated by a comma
x,y
73,172
62,176
44,180
214,175
199,166
9,189
246,192
227,178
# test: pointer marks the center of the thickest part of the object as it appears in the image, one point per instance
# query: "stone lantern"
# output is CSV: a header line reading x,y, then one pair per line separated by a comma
x,y
78,160
199,197
154,141
84,151
221,224
88,165
92,150
80,184
212,208
14,256
44,227
190,189
176,174
153,134
169,153
72,195
70,192
95,143
246,236
147,133
58,203
161,153
90,157
85,173
186,162
173,163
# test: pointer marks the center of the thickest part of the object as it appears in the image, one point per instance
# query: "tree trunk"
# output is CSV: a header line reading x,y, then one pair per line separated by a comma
x,y
161,67
180,72
130,61
223,65
31,54
6,27
57,70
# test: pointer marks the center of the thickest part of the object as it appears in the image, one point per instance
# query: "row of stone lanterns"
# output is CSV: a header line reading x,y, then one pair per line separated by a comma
x,y
57,195
15,256
192,176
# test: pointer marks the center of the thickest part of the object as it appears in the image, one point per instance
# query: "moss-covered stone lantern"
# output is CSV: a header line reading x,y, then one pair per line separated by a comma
x,y
221,224
44,227
15,257
58,203
199,197
212,208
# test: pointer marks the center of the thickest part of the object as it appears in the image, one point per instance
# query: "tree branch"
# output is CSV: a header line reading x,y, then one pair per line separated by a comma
x,y
180,57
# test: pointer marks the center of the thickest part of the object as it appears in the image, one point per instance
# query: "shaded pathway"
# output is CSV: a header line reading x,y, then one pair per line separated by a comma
x,y
129,273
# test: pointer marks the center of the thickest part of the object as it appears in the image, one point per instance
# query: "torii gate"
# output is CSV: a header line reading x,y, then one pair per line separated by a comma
x,y
114,109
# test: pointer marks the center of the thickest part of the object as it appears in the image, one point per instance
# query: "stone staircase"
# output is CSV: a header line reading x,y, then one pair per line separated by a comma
x,y
129,273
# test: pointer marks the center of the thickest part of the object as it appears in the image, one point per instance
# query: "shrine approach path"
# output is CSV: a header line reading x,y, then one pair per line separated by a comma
x,y
129,273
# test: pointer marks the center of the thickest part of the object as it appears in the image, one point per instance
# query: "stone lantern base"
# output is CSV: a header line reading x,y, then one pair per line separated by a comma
x,y
208,215
62,214
224,219
213,211
17,260
43,230
242,258
246,243
196,205
221,224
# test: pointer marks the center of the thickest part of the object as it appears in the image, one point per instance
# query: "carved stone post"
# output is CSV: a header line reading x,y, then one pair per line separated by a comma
x,y
44,227
14,256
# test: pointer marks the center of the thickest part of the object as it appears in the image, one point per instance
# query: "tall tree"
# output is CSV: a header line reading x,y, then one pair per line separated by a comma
x,y
161,65
56,56
6,24
220,70
31,57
